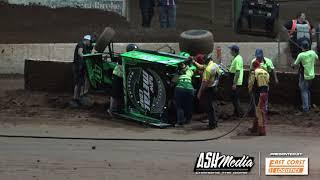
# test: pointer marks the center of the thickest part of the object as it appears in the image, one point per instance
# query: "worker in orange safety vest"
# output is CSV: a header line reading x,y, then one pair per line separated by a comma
x,y
299,30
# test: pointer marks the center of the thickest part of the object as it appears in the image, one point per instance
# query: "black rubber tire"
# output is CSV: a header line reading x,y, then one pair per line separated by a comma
x,y
104,39
196,41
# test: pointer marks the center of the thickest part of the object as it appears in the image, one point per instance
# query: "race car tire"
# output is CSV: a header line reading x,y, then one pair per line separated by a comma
x,y
104,39
196,42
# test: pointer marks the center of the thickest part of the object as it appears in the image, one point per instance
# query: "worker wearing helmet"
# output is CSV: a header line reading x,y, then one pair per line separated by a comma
x,y
116,99
259,78
82,48
131,47
147,12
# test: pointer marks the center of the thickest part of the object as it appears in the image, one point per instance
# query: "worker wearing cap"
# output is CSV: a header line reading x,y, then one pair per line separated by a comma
x,y
184,93
259,82
82,48
236,71
307,61
265,63
208,88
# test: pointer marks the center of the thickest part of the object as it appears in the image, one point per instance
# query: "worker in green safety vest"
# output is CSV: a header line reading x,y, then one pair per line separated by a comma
x,y
183,94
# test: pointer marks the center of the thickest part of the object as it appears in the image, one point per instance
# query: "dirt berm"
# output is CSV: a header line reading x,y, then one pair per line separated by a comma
x,y
43,76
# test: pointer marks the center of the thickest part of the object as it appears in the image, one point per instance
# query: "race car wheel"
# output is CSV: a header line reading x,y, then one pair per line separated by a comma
x,y
104,39
196,42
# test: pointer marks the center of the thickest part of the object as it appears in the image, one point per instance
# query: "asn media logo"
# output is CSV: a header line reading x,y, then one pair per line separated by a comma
x,y
218,163
287,166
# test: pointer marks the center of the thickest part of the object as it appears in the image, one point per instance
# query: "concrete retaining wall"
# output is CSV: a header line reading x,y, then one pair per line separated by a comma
x,y
43,76
12,56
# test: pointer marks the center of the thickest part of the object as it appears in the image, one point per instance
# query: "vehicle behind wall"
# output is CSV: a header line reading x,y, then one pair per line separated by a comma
x,y
258,17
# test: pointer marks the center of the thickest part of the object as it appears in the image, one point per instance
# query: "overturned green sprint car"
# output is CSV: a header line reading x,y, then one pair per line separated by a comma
x,y
148,89
147,76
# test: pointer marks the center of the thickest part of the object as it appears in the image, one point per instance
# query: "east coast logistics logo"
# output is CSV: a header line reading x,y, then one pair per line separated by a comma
x,y
287,164
217,163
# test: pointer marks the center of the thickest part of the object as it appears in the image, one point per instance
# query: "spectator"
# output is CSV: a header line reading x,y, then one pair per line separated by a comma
x,y
236,72
147,12
167,13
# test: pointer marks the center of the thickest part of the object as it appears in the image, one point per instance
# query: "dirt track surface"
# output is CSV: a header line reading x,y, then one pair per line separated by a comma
x,y
35,24
47,114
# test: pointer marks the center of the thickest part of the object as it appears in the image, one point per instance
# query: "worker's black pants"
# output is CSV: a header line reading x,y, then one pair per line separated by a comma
x,y
236,102
147,15
209,96
117,96
184,102
79,78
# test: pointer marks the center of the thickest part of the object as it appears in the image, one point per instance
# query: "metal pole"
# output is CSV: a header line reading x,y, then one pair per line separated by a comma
x,y
127,7
279,49
233,15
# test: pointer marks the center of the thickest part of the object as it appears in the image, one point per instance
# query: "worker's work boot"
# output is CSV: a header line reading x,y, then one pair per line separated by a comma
x,y
74,103
254,128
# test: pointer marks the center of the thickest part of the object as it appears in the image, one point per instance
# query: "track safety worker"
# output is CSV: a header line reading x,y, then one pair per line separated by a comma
x,y
307,61
266,64
79,73
209,88
236,72
299,30
117,95
259,81
183,94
